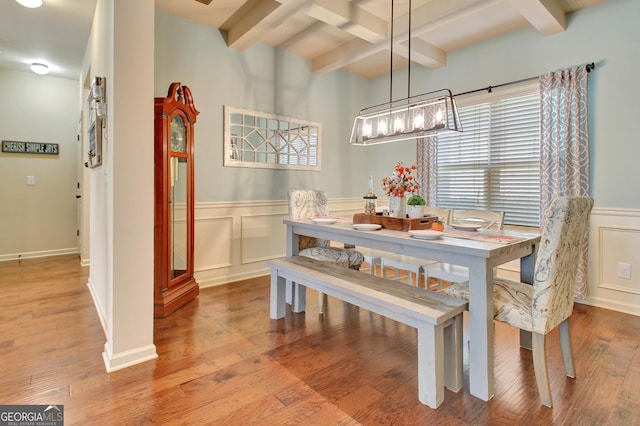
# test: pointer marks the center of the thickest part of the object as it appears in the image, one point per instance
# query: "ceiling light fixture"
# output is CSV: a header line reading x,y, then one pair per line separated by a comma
x,y
32,4
409,118
39,68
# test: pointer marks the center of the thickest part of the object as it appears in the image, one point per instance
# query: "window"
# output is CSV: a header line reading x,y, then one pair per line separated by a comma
x,y
495,163
257,139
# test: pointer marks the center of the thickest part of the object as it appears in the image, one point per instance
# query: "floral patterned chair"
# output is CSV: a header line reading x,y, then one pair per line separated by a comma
x,y
548,303
308,204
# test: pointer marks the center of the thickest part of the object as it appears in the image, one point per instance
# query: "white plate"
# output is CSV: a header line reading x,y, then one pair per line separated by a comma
x,y
466,226
471,220
366,226
426,234
324,220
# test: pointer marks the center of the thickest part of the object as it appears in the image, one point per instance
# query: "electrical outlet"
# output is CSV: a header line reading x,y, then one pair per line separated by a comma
x,y
31,180
624,270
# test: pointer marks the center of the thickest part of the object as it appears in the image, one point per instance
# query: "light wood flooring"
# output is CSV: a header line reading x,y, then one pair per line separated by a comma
x,y
222,361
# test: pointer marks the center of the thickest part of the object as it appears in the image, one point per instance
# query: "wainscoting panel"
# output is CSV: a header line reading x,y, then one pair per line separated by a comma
x,y
618,245
614,239
213,243
233,241
263,237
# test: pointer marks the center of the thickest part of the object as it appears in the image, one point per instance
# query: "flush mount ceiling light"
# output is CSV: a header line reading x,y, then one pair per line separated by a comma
x,y
32,4
39,68
409,118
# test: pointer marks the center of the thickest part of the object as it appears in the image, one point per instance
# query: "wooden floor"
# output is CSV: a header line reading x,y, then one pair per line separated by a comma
x,y
222,361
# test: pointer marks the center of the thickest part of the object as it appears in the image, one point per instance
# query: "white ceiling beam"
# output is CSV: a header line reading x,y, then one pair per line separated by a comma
x,y
245,27
437,14
342,56
433,15
546,16
422,53
350,18
257,17
298,37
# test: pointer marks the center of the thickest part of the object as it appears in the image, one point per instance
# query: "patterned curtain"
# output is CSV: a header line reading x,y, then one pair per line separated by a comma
x,y
564,145
427,173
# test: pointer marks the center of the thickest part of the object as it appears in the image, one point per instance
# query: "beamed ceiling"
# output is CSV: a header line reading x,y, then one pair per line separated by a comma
x,y
356,35
332,34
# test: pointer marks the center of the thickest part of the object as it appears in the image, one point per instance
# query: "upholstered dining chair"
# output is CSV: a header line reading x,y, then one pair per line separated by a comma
x,y
548,303
309,203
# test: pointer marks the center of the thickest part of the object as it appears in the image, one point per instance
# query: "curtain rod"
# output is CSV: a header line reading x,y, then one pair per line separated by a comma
x,y
589,67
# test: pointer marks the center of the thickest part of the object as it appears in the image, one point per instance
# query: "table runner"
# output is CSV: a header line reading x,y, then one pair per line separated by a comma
x,y
483,236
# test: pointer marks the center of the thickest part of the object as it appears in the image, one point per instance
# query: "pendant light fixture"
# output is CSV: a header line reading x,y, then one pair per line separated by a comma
x,y
409,118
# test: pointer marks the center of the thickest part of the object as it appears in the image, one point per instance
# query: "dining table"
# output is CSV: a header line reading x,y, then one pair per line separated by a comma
x,y
480,251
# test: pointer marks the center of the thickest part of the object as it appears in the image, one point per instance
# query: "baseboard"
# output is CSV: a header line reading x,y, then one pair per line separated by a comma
x,y
612,305
35,254
226,279
101,314
114,362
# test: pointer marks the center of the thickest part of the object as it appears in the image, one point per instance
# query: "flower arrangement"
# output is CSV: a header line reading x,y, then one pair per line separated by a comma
x,y
401,182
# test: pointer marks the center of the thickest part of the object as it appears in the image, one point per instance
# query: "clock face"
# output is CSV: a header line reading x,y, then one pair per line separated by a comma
x,y
178,134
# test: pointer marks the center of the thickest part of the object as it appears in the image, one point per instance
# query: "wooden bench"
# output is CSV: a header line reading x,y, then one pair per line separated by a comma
x,y
438,318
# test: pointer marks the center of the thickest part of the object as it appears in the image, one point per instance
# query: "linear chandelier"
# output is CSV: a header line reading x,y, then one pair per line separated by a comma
x,y
409,118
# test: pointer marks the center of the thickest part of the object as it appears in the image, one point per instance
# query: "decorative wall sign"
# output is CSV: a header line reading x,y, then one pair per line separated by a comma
x,y
30,147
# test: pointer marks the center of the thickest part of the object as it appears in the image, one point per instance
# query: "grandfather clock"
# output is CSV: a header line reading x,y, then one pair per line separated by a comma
x,y
175,117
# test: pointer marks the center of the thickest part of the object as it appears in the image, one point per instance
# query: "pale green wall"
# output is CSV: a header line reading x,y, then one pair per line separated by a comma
x,y
263,79
606,34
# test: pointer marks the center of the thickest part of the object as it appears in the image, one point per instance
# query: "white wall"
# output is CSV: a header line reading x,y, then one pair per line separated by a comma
x,y
121,49
38,220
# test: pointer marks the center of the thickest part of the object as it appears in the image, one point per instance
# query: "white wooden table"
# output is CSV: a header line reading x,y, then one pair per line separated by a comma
x,y
479,256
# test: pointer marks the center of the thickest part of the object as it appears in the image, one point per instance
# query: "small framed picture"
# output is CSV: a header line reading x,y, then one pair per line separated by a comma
x,y
97,107
94,154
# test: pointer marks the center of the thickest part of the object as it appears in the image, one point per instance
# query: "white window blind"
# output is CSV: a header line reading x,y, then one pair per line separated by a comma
x,y
494,164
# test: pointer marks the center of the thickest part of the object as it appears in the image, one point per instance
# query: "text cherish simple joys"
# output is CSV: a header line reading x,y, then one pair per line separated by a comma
x,y
30,147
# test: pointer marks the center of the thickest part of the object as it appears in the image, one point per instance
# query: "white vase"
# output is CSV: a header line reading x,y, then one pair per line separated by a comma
x,y
397,206
415,212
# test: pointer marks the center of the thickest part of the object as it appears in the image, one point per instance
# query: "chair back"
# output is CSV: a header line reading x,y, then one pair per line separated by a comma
x,y
442,213
492,219
563,234
305,204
